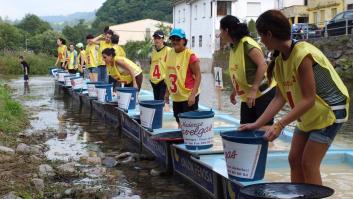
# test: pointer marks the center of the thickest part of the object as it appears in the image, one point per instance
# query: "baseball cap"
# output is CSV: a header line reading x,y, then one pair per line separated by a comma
x,y
79,45
178,32
158,33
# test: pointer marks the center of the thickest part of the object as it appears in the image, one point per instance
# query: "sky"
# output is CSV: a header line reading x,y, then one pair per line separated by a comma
x,y
16,9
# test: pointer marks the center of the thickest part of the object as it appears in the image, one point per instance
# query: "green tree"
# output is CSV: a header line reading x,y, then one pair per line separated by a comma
x,y
33,24
122,11
138,49
77,33
45,42
11,37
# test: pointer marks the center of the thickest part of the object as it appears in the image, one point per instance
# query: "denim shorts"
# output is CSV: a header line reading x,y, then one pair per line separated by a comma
x,y
325,135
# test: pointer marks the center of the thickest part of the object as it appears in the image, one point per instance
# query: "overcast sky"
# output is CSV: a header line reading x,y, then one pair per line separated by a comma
x,y
16,9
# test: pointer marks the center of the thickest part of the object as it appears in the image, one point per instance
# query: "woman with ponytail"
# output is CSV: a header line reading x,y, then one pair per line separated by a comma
x,y
122,69
307,81
247,68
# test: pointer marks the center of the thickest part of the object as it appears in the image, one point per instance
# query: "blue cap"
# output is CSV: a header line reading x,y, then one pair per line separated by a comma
x,y
178,32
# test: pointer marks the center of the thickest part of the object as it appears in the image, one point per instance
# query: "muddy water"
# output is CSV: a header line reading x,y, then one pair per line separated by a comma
x,y
87,136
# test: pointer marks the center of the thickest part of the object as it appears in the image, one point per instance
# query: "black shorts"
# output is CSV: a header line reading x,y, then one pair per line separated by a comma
x,y
250,115
139,80
25,77
159,90
182,107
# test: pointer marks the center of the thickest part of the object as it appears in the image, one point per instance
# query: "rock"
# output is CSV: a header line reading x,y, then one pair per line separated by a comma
x,y
46,171
96,172
109,162
10,195
23,149
94,160
156,172
7,150
62,135
69,192
38,184
35,159
6,158
67,169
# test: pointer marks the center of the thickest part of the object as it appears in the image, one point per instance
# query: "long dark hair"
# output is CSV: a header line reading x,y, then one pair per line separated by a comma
x,y
109,52
63,41
235,29
275,22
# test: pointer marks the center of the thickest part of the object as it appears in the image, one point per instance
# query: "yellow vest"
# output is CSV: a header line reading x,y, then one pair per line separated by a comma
x,y
177,65
157,70
102,45
82,54
121,74
91,60
71,60
62,53
237,69
119,51
286,74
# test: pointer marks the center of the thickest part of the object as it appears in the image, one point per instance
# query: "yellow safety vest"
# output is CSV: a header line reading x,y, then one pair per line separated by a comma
x,y
237,69
157,70
102,45
177,66
286,74
62,53
82,54
91,60
72,61
121,74
119,51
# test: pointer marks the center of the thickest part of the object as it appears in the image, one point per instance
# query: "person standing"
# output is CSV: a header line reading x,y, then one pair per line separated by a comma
x,y
25,68
81,58
318,98
91,58
183,75
157,70
247,68
118,49
71,64
62,53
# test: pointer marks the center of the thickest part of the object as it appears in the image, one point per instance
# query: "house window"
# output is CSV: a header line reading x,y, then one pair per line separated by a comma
x,y
305,2
195,8
224,8
193,41
179,16
322,16
204,10
253,9
316,18
333,12
350,7
184,15
200,41
211,13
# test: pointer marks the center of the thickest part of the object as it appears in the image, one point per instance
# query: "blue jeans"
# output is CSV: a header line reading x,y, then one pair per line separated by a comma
x,y
102,74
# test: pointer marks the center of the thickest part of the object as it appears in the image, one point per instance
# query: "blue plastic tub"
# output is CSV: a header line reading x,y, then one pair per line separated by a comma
x,y
196,127
107,95
245,153
151,113
125,101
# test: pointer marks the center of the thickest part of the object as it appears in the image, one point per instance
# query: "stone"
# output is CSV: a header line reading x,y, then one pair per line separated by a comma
x,y
10,195
46,171
7,150
95,172
62,135
23,149
109,162
38,184
67,169
69,192
35,159
94,160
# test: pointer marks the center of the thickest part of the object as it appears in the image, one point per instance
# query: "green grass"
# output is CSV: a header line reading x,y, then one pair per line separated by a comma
x,y
13,117
38,63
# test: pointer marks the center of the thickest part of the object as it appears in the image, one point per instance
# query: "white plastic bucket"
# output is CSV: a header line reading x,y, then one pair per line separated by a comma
x,y
92,91
77,83
61,77
197,129
101,94
68,81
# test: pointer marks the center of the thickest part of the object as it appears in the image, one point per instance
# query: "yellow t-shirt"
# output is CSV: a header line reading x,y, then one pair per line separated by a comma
x,y
120,73
102,45
286,74
119,51
62,53
179,78
158,59
91,60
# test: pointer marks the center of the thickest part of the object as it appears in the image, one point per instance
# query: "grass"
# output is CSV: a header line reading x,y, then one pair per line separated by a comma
x,y
38,63
13,117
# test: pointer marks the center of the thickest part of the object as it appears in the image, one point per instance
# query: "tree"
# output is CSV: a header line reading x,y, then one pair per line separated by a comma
x,y
122,11
33,24
77,33
45,42
11,37
138,49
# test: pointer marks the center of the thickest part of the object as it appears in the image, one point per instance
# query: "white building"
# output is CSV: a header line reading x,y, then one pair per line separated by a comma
x,y
288,3
137,30
200,20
